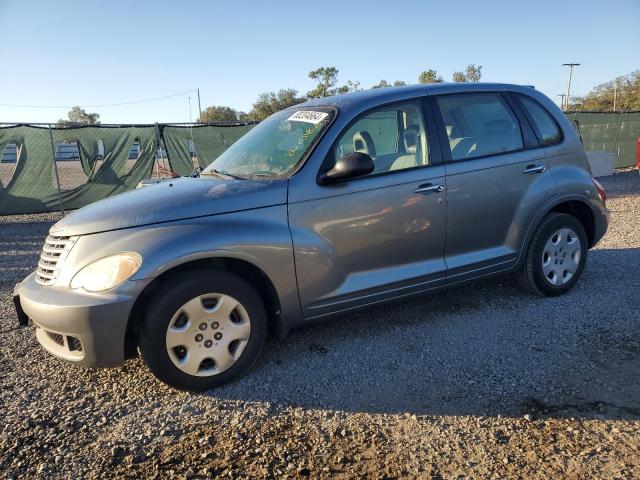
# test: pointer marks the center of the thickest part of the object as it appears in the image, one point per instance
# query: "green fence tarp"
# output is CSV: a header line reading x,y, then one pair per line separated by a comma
x,y
610,132
31,187
104,162
116,172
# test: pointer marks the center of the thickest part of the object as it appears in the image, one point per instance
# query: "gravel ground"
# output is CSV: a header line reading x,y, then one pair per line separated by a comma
x,y
481,381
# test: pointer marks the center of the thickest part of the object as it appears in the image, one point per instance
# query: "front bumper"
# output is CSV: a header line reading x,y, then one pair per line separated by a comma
x,y
88,329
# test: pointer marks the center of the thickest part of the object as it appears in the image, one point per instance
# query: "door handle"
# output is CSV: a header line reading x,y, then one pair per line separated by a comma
x,y
428,188
534,169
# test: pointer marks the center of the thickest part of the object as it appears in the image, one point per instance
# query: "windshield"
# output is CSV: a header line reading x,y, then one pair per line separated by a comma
x,y
275,146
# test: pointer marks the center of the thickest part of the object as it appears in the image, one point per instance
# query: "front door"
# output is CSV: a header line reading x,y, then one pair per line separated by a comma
x,y
379,236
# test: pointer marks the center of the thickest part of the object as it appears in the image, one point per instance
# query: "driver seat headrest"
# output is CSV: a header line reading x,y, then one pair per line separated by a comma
x,y
362,142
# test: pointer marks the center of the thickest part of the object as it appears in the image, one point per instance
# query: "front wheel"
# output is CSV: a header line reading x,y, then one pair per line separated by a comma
x,y
203,329
556,256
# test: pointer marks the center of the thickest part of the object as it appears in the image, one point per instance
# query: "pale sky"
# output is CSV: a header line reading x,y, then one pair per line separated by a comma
x,y
91,52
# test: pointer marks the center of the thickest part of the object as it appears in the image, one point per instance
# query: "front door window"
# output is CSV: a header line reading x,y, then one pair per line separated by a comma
x,y
394,136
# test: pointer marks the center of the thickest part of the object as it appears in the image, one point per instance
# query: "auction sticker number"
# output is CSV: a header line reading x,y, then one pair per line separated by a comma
x,y
308,116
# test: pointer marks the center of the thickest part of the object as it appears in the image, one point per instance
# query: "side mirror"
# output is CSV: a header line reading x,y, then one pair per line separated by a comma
x,y
353,165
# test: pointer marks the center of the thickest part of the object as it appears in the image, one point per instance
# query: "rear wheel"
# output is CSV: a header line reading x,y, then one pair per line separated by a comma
x,y
556,256
203,329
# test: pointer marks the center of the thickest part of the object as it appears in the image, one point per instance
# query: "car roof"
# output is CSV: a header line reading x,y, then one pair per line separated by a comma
x,y
376,96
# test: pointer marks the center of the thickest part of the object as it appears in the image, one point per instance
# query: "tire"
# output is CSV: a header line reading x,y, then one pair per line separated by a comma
x,y
551,269
184,329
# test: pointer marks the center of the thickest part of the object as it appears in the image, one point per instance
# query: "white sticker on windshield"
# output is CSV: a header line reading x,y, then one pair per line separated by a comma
x,y
308,116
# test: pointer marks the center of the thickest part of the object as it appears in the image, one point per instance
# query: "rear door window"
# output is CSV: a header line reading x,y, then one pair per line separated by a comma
x,y
479,124
546,127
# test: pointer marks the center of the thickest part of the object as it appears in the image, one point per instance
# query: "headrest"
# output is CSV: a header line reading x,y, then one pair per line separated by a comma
x,y
495,127
453,131
362,142
410,138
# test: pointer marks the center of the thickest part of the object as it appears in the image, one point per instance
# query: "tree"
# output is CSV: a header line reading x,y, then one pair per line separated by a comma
x,y
270,102
430,76
459,77
472,73
625,90
327,78
219,114
381,84
385,84
243,116
78,116
350,87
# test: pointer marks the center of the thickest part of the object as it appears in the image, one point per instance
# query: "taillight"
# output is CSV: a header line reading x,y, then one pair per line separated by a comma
x,y
600,188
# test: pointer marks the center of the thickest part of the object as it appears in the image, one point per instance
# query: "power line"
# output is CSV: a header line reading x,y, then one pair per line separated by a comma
x,y
102,105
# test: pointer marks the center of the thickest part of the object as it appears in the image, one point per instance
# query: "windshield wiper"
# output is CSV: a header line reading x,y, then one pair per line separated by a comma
x,y
220,174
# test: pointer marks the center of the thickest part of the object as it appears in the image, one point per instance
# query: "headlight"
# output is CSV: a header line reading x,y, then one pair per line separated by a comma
x,y
108,272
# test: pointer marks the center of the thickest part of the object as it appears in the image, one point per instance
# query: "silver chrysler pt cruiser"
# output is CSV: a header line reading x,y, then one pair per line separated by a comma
x,y
325,207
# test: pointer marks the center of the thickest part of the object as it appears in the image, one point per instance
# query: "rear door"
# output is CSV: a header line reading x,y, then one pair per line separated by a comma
x,y
497,177
378,236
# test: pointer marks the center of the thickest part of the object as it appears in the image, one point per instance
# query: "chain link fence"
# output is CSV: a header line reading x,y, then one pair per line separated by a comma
x,y
46,168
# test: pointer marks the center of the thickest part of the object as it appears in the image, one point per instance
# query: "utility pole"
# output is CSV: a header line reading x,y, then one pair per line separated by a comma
x,y
562,95
570,65
615,96
199,106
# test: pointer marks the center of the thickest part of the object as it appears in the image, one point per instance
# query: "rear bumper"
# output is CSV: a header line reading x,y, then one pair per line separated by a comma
x,y
601,217
83,328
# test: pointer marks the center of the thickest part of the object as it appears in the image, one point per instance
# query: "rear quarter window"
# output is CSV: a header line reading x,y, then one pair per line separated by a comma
x,y
546,127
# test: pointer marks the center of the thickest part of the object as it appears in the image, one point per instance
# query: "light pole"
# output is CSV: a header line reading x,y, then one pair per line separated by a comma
x,y
570,65
562,95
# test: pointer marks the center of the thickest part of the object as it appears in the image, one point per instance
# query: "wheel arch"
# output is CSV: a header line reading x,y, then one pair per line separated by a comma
x,y
573,205
241,267
581,212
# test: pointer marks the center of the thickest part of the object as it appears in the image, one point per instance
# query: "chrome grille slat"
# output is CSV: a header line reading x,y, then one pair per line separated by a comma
x,y
54,251
47,264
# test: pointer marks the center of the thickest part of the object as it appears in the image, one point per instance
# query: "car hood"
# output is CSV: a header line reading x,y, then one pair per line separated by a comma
x,y
176,199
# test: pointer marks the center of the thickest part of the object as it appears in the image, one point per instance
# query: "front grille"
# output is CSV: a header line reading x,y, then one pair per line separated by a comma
x,y
56,337
74,344
59,343
55,250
